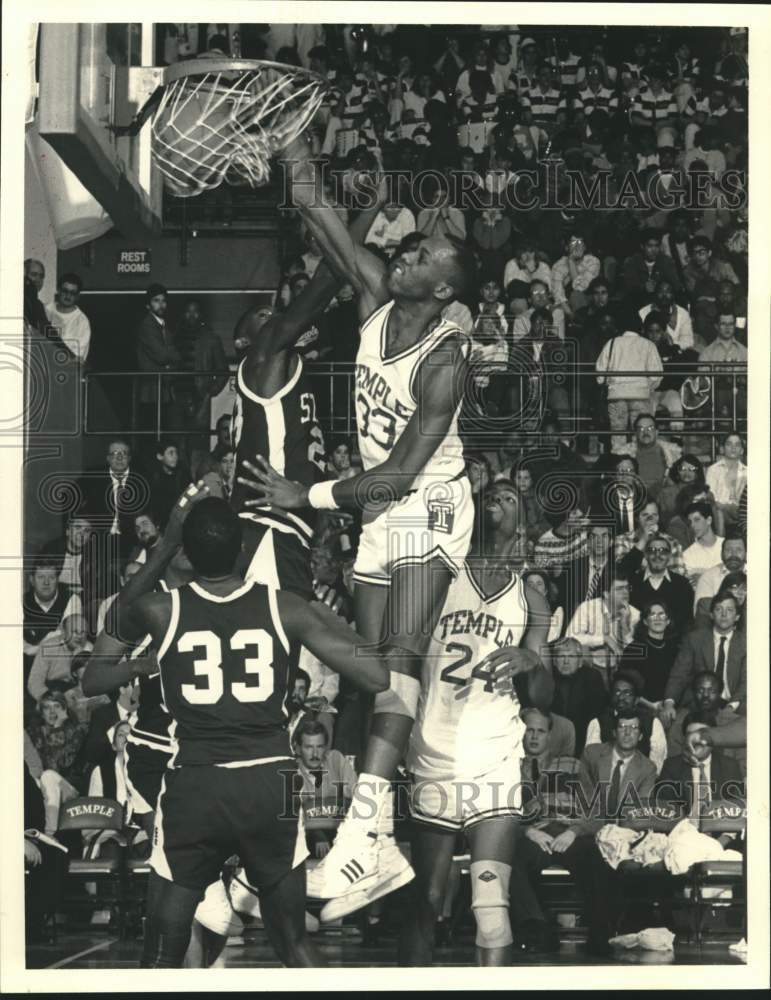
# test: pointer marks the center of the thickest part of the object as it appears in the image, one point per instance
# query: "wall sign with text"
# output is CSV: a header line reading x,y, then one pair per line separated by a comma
x,y
133,262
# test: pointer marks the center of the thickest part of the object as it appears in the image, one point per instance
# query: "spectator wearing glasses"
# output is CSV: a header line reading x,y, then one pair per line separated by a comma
x,y
654,456
625,691
68,318
630,547
654,580
112,497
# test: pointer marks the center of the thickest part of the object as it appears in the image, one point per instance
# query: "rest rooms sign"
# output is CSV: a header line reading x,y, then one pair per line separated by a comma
x,y
133,262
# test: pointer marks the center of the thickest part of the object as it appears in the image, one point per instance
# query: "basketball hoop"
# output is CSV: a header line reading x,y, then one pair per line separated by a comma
x,y
223,119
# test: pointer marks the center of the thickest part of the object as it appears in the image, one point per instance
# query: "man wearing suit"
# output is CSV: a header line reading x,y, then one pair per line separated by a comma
x,y
156,352
721,649
112,498
610,775
587,577
700,774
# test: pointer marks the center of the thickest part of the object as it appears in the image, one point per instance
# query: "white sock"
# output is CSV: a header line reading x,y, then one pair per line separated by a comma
x,y
372,803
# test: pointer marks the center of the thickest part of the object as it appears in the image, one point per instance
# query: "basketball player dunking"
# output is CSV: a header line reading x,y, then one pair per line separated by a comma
x,y
223,651
418,510
275,416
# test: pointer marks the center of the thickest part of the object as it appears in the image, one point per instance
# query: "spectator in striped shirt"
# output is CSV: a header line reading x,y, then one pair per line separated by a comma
x,y
655,107
595,96
544,105
609,73
636,66
710,110
568,66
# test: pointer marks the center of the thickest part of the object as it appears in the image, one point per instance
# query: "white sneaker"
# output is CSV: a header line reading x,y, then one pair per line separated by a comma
x,y
394,871
243,898
352,862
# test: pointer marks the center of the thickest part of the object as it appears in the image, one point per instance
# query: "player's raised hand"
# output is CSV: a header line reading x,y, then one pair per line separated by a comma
x,y
180,510
271,487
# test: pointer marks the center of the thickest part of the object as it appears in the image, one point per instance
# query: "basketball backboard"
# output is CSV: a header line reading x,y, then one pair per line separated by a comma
x,y
92,76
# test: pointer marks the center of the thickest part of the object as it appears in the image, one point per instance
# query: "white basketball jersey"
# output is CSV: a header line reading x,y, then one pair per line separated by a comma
x,y
385,400
464,728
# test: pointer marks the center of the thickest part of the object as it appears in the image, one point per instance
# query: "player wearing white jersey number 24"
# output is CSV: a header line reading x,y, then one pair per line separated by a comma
x,y
416,501
484,663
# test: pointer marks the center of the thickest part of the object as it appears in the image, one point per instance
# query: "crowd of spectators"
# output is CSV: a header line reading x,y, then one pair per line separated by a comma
x,y
640,550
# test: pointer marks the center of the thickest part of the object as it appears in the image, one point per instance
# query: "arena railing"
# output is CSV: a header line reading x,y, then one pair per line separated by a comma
x,y
151,405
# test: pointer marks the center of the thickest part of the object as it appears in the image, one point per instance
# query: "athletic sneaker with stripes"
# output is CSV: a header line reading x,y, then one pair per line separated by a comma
x,y
364,863
393,872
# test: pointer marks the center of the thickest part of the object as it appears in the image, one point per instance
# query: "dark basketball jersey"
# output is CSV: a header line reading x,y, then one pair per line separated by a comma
x,y
152,723
224,676
284,430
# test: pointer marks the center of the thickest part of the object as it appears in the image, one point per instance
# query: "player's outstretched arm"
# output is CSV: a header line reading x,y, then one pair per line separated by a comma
x,y
333,642
137,609
281,331
352,262
109,667
438,391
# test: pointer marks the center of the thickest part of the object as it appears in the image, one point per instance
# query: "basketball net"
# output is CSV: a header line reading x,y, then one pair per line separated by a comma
x,y
222,120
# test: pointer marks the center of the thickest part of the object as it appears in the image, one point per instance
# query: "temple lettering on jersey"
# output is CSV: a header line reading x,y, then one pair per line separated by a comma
x,y
485,626
379,391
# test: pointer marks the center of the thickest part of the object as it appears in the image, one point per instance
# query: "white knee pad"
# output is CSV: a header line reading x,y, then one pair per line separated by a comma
x,y
215,912
490,903
401,698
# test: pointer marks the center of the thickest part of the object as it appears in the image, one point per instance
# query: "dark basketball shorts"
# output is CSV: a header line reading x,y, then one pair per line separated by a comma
x,y
145,768
206,814
275,557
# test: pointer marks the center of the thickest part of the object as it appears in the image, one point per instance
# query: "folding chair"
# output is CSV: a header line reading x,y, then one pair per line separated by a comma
x,y
92,813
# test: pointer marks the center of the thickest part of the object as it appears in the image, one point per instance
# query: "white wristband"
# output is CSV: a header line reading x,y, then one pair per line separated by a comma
x,y
320,495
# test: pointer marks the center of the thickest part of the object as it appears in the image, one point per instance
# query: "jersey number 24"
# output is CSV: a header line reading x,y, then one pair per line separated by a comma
x,y
453,673
259,668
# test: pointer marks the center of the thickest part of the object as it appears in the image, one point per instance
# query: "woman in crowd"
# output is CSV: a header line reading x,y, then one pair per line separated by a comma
x,y
686,471
652,651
